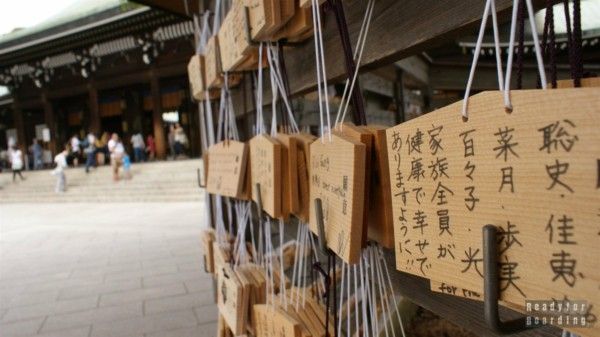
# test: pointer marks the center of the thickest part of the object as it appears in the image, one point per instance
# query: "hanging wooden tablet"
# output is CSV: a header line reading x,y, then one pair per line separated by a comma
x,y
222,329
380,219
359,134
585,83
272,321
195,76
289,173
337,171
212,61
230,299
265,16
265,160
227,169
297,27
234,41
222,255
207,238
533,173
303,141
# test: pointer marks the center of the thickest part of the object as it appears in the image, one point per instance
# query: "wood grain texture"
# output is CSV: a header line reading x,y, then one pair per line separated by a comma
x,y
265,160
303,141
547,216
464,312
289,173
227,168
230,299
380,218
337,171
234,41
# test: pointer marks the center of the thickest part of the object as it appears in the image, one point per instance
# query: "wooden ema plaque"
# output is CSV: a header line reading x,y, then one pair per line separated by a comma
x,y
337,177
267,17
297,27
359,134
214,72
533,173
265,161
380,218
585,83
272,321
227,168
289,174
231,300
234,41
303,141
195,76
207,237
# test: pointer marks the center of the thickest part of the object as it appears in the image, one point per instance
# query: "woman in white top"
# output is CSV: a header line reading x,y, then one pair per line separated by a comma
x,y
16,162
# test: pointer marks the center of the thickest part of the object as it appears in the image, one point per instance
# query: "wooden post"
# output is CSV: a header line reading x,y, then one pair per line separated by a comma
x,y
157,122
49,121
399,97
19,124
94,122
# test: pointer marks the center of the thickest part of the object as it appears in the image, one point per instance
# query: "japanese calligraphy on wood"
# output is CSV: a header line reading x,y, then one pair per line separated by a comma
x,y
227,168
234,41
265,161
231,300
534,173
337,177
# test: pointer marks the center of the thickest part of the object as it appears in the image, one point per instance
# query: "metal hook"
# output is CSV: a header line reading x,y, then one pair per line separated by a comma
x,y
200,184
491,287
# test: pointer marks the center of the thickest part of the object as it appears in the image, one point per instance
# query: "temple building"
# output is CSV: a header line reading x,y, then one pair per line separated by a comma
x,y
98,66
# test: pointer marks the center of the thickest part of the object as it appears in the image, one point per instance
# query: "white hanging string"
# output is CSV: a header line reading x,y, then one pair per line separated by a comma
x,y
389,283
339,327
490,5
511,47
217,17
360,46
282,289
321,72
274,96
273,59
260,122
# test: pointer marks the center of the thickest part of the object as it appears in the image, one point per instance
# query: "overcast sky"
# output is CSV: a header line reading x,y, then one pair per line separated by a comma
x,y
26,13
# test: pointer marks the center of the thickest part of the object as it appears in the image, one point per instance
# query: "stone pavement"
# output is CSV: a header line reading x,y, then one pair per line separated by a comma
x,y
104,270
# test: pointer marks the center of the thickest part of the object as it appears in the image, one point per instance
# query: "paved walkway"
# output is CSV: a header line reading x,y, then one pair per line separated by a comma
x,y
104,270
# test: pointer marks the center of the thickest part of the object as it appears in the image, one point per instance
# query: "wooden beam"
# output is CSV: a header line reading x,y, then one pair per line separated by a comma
x,y
157,122
19,124
49,121
454,77
94,121
399,29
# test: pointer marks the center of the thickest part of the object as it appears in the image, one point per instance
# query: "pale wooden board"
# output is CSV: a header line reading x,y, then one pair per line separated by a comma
x,y
303,141
212,63
359,134
585,82
195,76
289,164
234,41
529,208
207,238
336,172
265,160
260,17
297,26
227,169
380,217
230,299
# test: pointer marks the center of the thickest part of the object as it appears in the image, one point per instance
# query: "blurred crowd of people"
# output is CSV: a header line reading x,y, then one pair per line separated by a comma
x,y
94,151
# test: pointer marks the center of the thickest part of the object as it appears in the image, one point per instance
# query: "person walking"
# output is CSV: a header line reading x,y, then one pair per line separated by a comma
x,y
180,140
38,155
16,162
59,171
90,152
75,149
116,148
137,141
171,140
151,147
